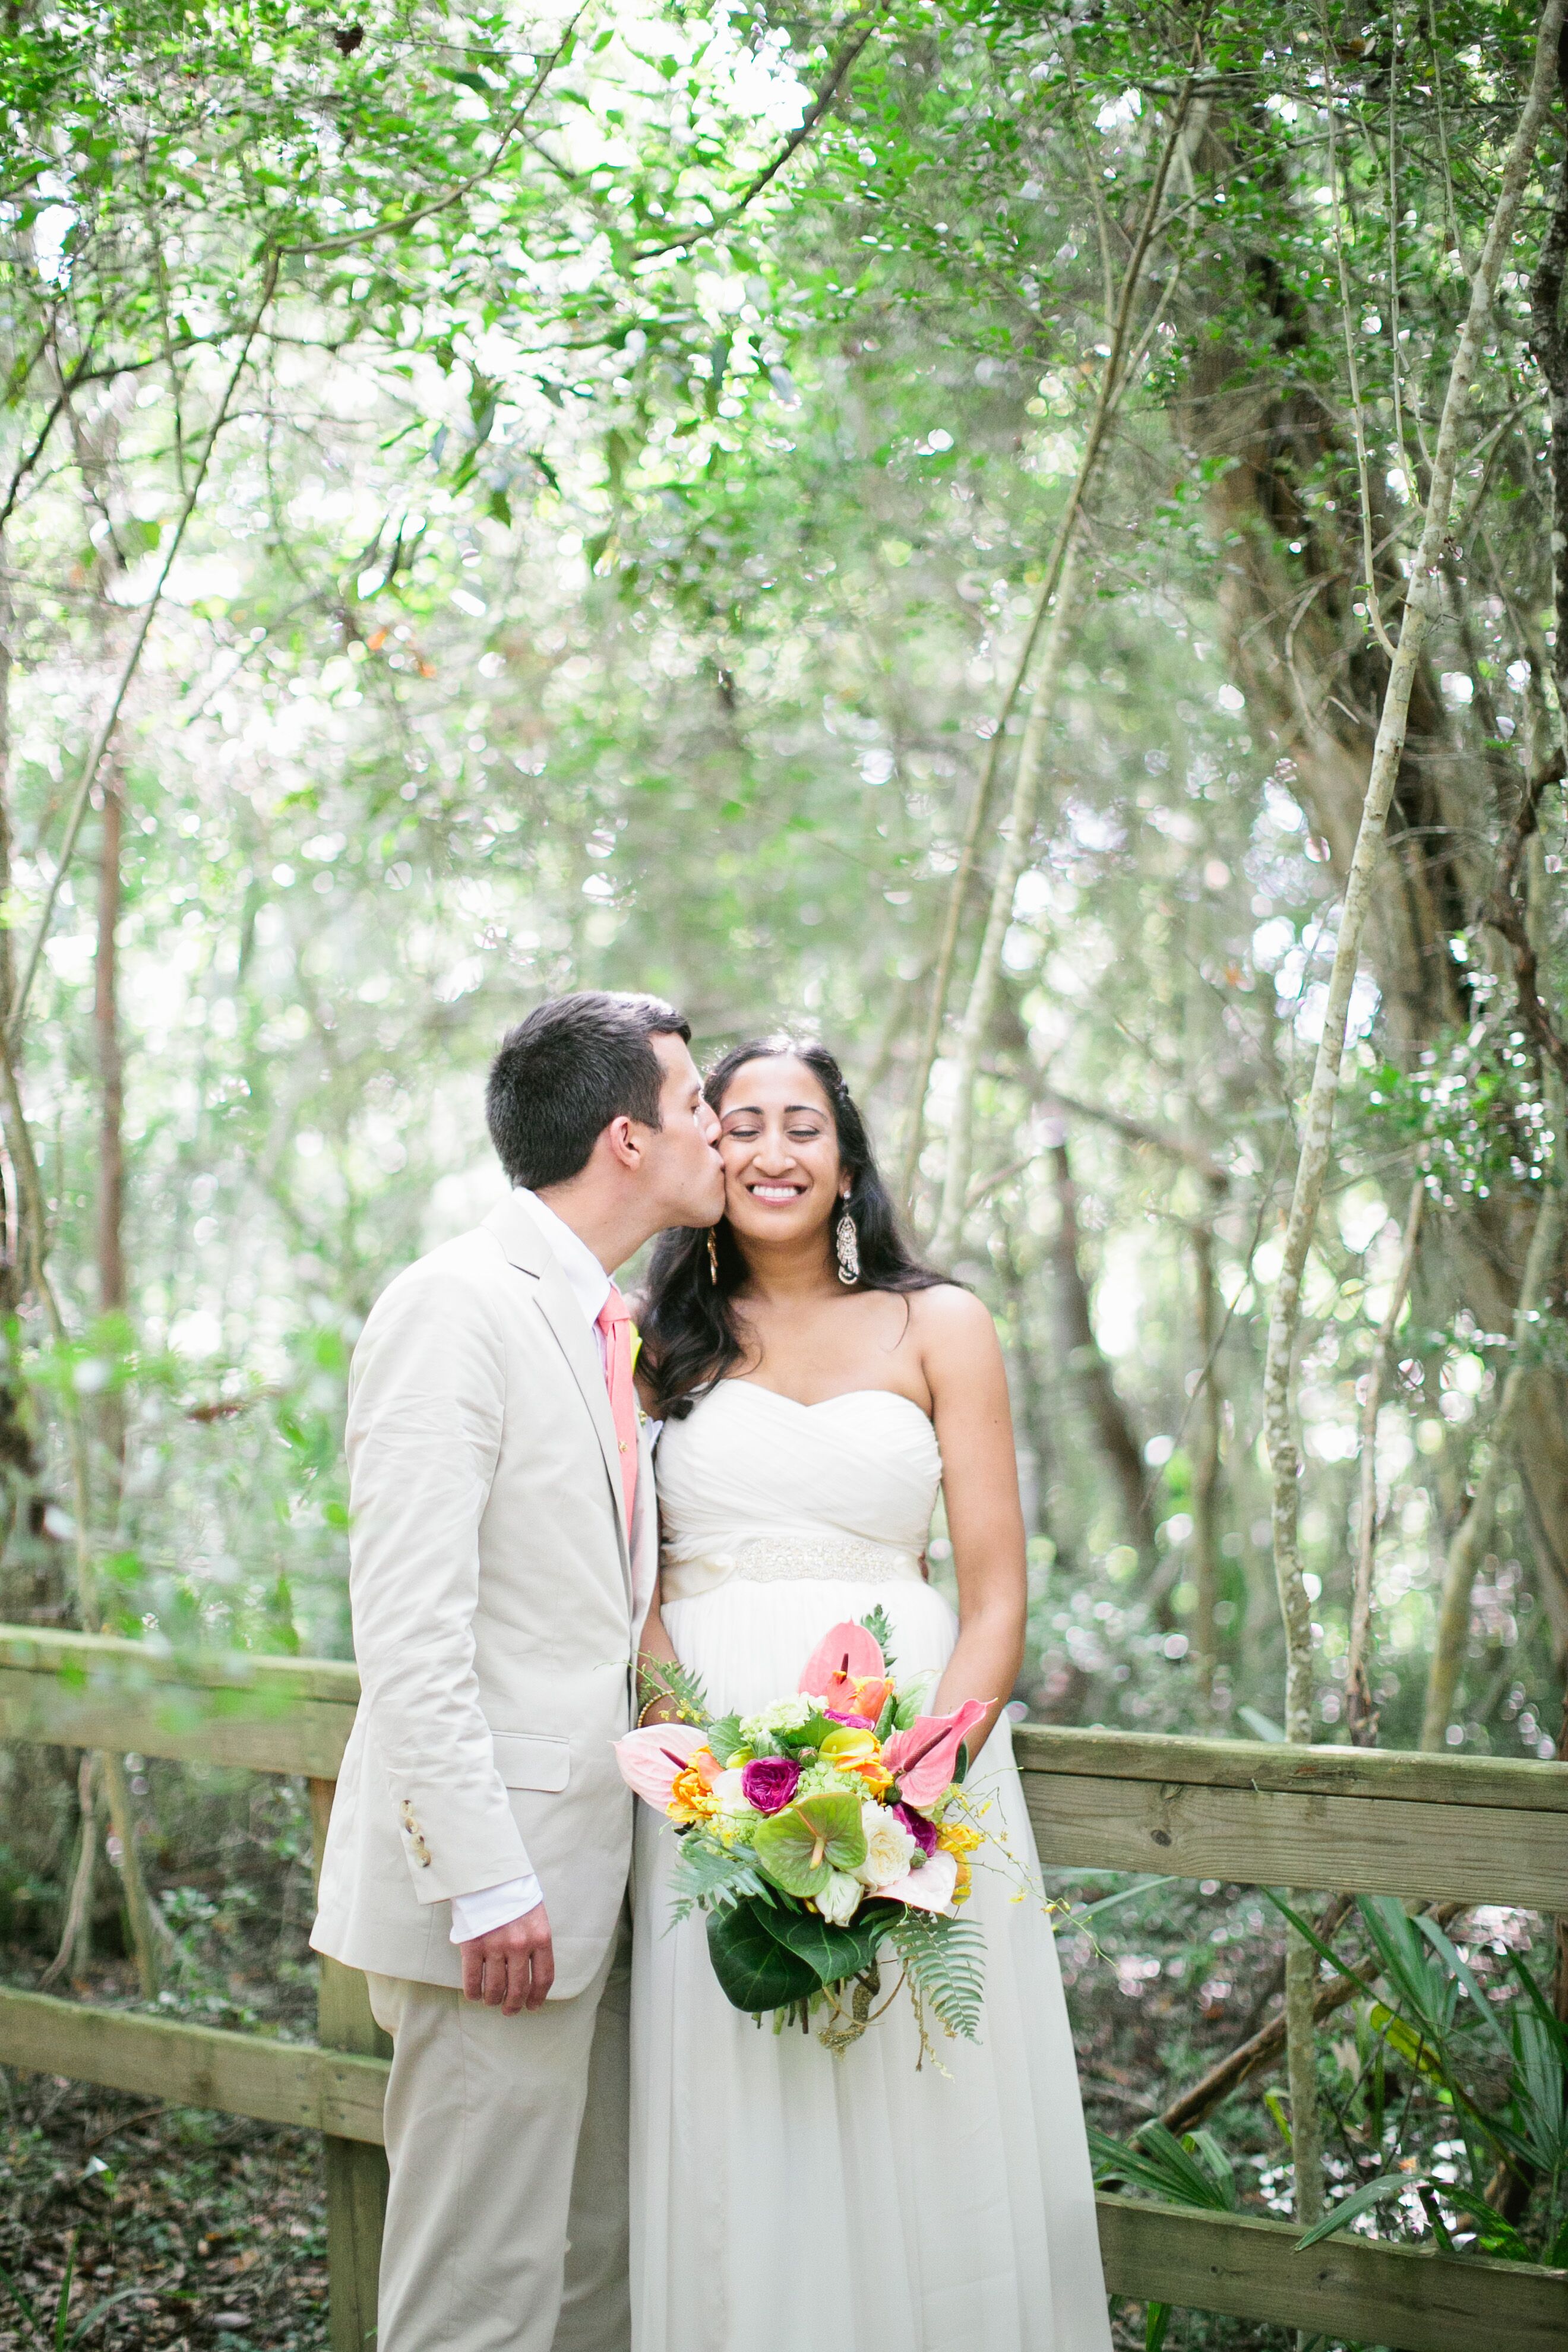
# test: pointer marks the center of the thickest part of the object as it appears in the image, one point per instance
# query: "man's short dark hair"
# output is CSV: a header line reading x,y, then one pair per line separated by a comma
x,y
563,1074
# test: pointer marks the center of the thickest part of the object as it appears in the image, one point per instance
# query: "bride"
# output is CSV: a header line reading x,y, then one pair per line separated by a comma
x,y
816,1387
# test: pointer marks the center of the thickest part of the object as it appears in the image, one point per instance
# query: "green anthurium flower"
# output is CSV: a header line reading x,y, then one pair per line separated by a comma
x,y
801,1847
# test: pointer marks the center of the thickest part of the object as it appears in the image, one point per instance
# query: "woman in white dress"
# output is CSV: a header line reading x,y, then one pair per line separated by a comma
x,y
816,1387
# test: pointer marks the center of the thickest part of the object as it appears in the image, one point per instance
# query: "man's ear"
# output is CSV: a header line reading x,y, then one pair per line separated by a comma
x,y
623,1142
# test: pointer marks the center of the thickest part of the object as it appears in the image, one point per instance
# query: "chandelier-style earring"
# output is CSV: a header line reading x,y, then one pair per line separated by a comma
x,y
712,1259
846,1249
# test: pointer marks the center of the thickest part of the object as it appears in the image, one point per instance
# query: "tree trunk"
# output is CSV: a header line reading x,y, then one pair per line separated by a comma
x,y
112,1286
1206,1466
1032,1407
1050,631
1314,679
32,1560
1317,1126
1469,1546
1360,1714
1081,1360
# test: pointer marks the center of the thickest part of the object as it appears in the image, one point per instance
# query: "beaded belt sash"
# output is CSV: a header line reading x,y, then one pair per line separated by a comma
x,y
780,1559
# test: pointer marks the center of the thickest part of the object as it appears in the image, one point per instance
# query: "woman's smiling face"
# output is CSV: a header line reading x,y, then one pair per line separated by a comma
x,y
780,1148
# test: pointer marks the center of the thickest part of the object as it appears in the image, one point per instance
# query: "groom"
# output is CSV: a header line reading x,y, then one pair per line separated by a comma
x,y
502,1553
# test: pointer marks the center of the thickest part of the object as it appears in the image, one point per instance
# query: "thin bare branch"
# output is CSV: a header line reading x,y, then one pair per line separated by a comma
x,y
1352,369
353,237
820,106
1049,629
16,1010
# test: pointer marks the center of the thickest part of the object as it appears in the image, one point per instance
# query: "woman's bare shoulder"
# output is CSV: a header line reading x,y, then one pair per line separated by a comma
x,y
949,1318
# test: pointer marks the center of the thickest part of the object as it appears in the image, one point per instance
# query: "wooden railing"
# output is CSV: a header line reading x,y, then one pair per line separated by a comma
x,y
1365,1821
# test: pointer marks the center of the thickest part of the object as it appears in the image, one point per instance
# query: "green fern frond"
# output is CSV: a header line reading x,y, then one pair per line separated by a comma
x,y
945,1963
711,1877
667,1678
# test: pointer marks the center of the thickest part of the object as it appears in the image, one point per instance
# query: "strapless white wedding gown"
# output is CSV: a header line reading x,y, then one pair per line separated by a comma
x,y
783,2199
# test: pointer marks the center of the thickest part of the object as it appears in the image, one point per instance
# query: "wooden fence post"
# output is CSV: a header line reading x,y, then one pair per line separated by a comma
x,y
356,2172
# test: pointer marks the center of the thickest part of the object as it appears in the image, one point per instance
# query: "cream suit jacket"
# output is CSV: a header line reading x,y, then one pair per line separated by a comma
x,y
495,1590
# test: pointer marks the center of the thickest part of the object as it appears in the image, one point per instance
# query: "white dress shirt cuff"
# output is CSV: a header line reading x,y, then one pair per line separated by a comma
x,y
493,1906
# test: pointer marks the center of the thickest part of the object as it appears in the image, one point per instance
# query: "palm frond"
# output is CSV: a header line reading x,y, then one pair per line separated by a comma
x,y
875,1622
1194,2171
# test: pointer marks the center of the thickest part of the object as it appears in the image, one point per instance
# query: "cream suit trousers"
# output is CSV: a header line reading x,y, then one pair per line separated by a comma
x,y
498,2237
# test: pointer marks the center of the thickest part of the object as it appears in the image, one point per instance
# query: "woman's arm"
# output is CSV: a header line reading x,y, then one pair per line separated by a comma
x,y
657,1649
961,1361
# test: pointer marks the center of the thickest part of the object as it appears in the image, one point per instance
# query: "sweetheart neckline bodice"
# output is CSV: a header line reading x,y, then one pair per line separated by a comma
x,y
816,1404
784,1486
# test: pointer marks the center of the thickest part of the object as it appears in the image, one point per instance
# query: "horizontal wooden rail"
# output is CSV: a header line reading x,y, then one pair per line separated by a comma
x,y
1470,1829
195,2065
85,1690
1356,2287
1365,1821
1397,2295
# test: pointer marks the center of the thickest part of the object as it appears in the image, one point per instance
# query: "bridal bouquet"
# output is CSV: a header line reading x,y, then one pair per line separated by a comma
x,y
819,1833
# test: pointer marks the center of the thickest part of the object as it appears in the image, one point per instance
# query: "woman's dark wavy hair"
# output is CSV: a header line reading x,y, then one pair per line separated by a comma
x,y
690,1338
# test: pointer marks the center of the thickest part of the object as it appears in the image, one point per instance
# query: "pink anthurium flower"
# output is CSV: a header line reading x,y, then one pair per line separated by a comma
x,y
652,1758
846,1655
922,1759
929,1888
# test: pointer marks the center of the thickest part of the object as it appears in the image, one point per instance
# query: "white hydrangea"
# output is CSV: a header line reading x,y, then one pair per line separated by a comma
x,y
840,1898
890,1851
784,1715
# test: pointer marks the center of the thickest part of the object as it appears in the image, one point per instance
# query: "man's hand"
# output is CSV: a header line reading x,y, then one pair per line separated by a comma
x,y
514,1967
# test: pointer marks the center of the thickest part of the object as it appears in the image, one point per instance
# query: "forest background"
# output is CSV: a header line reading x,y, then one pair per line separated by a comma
x,y
892,523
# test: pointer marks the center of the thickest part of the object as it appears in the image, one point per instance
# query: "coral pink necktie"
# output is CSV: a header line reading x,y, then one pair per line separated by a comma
x,y
615,1323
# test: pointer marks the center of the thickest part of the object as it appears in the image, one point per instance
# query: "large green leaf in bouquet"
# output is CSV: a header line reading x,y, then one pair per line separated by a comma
x,y
801,1848
754,1969
834,1953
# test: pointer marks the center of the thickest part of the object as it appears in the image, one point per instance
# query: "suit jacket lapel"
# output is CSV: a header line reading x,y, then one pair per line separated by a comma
x,y
526,1247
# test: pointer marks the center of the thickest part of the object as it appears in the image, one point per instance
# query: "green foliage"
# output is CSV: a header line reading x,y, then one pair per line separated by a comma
x,y
944,1962
1193,2170
755,1971
876,1623
724,1737
1439,2021
1360,2200
667,1678
54,2331
834,1953
709,1876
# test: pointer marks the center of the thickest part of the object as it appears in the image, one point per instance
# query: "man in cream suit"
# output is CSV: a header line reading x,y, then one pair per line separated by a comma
x,y
503,1553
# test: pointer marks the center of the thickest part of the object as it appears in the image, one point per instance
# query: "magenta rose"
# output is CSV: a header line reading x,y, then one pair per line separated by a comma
x,y
922,1831
769,1782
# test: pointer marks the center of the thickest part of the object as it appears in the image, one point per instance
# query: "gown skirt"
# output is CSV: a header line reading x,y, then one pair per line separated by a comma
x,y
787,2200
